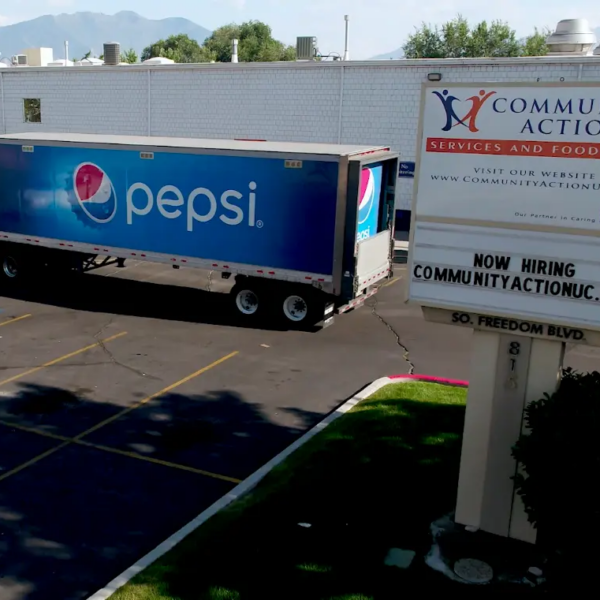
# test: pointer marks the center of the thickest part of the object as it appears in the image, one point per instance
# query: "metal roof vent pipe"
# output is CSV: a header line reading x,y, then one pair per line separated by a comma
x,y
234,53
572,37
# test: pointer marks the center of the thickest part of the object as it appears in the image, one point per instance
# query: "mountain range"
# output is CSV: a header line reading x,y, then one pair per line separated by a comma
x,y
395,54
87,31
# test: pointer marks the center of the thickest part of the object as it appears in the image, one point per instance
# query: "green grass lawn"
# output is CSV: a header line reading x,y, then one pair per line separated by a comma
x,y
374,479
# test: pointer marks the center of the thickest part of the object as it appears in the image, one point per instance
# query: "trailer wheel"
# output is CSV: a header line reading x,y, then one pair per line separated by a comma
x,y
301,307
11,268
14,268
248,299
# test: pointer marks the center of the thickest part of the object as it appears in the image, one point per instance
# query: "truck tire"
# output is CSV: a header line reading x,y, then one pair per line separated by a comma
x,y
301,307
249,300
13,267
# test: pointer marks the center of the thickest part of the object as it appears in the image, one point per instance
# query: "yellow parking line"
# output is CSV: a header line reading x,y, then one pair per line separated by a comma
x,y
156,461
395,280
156,395
14,320
78,439
47,434
164,463
33,461
61,358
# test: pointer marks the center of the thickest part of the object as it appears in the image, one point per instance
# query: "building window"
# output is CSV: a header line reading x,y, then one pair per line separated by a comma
x,y
32,109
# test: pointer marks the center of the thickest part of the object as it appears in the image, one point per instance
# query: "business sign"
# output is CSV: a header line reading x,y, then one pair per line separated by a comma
x,y
522,154
507,212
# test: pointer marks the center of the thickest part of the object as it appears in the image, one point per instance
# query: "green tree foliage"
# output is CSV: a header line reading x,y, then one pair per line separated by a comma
x,y
559,455
535,44
255,43
129,56
179,48
457,39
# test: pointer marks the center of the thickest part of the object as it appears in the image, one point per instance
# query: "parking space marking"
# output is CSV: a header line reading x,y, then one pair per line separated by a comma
x,y
156,395
395,280
14,320
33,461
62,358
135,455
47,434
77,440
156,461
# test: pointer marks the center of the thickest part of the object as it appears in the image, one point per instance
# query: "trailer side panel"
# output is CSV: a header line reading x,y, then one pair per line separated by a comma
x,y
246,210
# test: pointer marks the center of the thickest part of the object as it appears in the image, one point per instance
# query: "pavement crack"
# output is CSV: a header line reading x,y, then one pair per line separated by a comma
x,y
405,350
112,358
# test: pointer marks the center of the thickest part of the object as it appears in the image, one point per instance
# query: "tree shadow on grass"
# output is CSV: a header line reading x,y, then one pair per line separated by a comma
x,y
373,480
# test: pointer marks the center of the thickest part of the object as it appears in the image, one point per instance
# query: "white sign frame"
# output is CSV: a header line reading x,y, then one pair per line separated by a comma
x,y
513,227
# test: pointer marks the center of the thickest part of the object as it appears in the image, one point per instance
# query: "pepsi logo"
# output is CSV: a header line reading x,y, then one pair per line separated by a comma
x,y
95,193
367,195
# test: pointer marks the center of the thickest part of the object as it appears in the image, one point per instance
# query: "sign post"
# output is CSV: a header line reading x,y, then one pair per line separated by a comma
x,y
505,240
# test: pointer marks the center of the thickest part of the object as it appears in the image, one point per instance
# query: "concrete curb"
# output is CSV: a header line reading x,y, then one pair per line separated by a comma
x,y
251,481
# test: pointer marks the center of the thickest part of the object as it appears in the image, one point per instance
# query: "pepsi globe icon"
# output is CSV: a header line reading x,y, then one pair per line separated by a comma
x,y
95,194
367,195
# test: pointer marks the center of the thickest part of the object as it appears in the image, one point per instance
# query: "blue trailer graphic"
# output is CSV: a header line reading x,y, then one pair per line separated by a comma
x,y
227,208
302,225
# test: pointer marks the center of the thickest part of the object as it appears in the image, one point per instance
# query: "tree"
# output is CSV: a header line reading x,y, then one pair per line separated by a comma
x,y
456,39
535,44
179,48
129,56
255,43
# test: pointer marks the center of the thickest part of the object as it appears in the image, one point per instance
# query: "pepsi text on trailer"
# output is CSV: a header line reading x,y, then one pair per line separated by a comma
x,y
96,195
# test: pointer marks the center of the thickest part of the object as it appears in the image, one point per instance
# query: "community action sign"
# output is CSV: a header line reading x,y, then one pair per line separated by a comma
x,y
506,213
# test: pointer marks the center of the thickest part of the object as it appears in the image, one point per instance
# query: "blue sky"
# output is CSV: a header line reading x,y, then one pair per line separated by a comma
x,y
376,26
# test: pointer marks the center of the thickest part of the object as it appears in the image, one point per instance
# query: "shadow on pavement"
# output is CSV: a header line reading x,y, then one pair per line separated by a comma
x,y
375,480
93,293
75,519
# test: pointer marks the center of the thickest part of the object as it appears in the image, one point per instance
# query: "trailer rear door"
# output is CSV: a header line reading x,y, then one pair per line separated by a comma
x,y
372,184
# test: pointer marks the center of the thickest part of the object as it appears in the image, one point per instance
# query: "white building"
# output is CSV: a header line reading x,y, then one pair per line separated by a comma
x,y
38,57
372,102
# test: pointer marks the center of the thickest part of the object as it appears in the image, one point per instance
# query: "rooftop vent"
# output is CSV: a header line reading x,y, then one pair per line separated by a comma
x,y
112,53
572,37
306,48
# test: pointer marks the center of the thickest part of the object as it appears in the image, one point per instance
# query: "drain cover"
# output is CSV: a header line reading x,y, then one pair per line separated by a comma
x,y
473,570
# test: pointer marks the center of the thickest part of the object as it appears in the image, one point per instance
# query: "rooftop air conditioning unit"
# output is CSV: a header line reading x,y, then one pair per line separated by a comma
x,y
306,48
20,60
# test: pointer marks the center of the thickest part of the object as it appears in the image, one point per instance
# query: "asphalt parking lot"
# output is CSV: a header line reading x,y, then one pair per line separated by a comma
x,y
130,401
